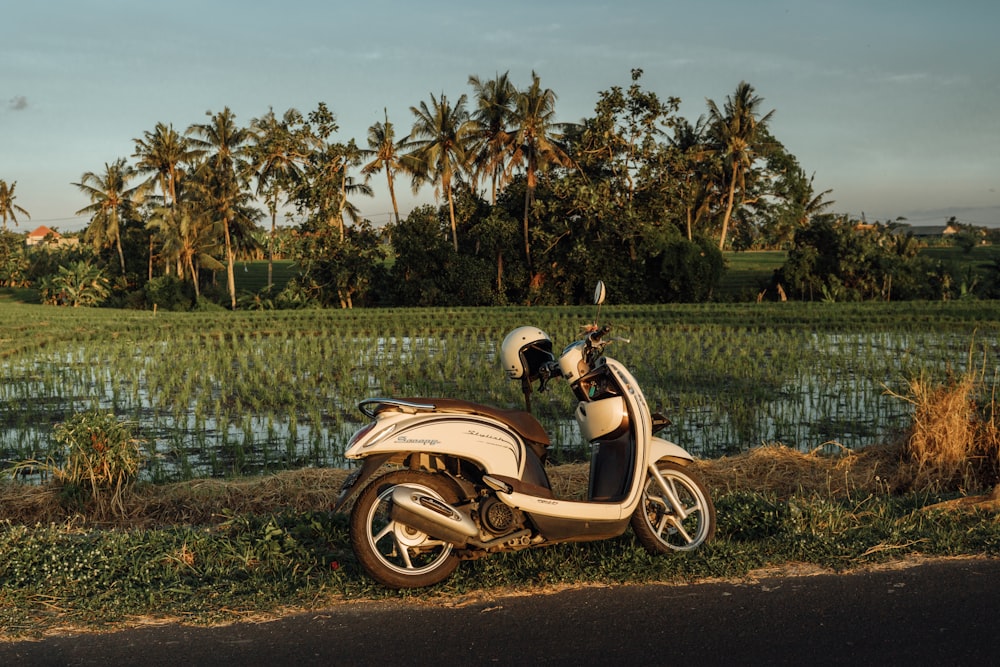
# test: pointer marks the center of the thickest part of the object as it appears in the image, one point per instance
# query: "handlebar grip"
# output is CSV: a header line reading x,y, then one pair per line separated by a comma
x,y
600,333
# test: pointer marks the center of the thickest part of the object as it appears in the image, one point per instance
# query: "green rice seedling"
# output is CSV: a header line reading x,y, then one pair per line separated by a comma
x,y
729,375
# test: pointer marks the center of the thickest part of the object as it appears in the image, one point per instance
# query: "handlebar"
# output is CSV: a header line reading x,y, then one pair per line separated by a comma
x,y
596,336
595,344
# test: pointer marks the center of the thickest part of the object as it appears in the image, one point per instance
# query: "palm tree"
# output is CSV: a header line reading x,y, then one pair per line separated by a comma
x,y
350,156
278,152
813,204
535,144
439,146
111,197
737,130
161,153
495,100
387,154
224,146
350,187
694,165
187,239
8,209
330,185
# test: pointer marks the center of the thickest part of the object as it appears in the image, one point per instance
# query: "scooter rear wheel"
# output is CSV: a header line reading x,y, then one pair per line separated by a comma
x,y
395,554
675,515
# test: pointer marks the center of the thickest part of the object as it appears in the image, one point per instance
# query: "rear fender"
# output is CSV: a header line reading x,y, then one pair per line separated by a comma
x,y
358,479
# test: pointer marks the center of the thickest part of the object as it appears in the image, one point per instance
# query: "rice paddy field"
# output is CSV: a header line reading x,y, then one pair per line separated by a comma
x,y
238,393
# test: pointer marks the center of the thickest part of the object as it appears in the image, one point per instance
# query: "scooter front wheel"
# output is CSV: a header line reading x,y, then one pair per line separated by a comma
x,y
393,553
676,512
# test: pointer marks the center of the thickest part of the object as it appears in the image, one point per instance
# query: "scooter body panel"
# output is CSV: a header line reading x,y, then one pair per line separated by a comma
x,y
499,451
564,509
641,425
642,442
488,443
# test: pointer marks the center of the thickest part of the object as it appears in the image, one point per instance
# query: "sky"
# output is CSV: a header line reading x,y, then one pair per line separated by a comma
x,y
894,105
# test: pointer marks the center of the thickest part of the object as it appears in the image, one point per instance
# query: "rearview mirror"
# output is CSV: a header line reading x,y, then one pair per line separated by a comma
x,y
599,293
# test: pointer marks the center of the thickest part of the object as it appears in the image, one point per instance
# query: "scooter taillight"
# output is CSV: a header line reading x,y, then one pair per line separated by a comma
x,y
360,434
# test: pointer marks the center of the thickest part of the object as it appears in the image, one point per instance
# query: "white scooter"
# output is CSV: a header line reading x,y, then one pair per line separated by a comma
x,y
460,480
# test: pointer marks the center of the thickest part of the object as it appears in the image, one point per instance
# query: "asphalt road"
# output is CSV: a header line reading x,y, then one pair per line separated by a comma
x,y
941,613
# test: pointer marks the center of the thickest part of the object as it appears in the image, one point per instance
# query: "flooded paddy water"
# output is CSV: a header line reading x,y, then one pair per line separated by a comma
x,y
262,399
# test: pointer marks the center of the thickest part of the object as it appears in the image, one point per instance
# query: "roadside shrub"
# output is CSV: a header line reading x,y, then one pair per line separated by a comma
x,y
99,459
14,264
832,260
953,442
263,299
77,284
295,295
746,516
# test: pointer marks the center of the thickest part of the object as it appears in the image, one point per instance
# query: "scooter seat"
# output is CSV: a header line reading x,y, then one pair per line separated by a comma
x,y
522,422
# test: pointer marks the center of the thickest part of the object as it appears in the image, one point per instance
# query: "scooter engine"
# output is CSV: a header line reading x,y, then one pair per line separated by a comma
x,y
497,517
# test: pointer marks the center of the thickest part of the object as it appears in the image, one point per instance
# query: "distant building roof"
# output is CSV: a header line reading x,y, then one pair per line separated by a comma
x,y
42,232
39,235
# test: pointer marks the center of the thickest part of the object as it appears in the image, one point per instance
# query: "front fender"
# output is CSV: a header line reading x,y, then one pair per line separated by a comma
x,y
664,449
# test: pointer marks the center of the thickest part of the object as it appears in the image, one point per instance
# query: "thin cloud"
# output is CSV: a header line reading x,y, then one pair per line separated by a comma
x,y
17,103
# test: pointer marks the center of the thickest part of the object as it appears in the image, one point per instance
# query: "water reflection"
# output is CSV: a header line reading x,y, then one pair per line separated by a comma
x,y
288,403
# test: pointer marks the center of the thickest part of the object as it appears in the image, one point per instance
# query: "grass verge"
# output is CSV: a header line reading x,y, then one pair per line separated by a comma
x,y
212,551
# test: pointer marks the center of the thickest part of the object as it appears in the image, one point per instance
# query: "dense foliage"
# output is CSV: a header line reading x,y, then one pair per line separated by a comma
x,y
531,210
832,260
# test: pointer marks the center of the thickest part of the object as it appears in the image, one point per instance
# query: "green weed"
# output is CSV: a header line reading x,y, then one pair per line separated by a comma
x,y
264,564
96,460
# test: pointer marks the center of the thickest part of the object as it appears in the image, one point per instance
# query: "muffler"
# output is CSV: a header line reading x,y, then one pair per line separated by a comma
x,y
418,509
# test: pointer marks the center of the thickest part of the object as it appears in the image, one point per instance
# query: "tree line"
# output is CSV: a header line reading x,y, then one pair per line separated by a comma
x,y
528,209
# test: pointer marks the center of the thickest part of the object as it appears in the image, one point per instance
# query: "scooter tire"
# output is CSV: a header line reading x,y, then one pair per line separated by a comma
x,y
394,554
655,521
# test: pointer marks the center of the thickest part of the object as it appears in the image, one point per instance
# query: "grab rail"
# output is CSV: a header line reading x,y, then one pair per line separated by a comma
x,y
395,402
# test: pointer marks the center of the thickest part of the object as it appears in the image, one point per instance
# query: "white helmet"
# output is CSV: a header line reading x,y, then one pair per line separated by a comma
x,y
523,352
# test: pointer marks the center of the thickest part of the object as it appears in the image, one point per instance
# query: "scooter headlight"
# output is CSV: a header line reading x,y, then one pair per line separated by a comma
x,y
571,363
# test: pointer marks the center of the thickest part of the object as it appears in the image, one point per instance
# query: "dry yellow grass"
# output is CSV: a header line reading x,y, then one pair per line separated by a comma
x,y
953,442
784,471
775,469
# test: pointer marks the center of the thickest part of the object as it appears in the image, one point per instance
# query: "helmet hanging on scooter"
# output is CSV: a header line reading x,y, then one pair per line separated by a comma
x,y
523,352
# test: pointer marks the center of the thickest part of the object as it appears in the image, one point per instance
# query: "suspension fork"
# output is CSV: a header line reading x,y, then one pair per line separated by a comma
x,y
668,491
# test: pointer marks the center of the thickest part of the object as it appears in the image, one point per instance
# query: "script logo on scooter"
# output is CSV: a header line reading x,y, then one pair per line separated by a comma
x,y
479,434
495,441
430,442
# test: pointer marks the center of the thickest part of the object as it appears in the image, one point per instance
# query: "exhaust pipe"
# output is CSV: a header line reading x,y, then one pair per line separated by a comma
x,y
418,509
